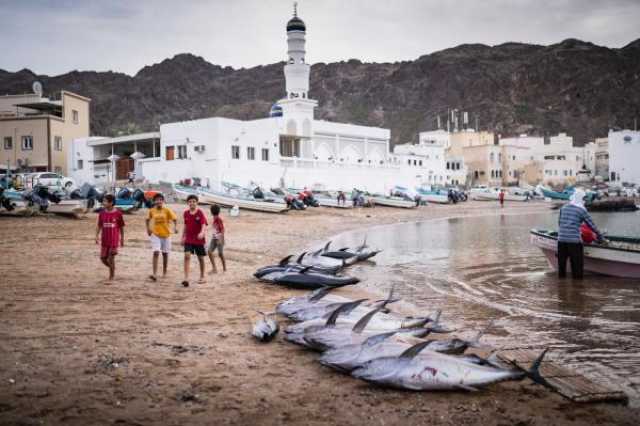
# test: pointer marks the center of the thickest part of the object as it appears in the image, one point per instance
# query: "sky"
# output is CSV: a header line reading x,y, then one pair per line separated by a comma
x,y
57,36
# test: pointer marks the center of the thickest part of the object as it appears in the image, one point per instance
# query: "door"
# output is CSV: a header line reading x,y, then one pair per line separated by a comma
x,y
123,167
170,153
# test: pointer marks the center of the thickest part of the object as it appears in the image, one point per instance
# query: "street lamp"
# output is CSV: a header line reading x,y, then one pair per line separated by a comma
x,y
136,157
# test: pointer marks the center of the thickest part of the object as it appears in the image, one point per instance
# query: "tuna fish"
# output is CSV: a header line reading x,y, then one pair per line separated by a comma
x,y
320,296
434,371
265,329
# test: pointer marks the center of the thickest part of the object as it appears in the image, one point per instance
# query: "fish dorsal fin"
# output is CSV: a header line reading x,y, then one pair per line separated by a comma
x,y
317,252
364,245
377,339
326,246
304,270
343,309
285,260
299,259
319,294
362,322
344,249
415,349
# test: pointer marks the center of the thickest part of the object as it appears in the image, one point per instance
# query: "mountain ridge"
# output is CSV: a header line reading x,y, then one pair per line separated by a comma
x,y
572,86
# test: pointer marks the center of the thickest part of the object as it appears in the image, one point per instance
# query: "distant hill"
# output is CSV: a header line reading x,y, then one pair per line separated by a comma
x,y
572,86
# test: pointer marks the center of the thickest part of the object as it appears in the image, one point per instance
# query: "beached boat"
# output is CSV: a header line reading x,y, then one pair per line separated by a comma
x,y
68,207
493,194
555,195
243,202
15,207
182,192
398,202
327,199
434,195
619,258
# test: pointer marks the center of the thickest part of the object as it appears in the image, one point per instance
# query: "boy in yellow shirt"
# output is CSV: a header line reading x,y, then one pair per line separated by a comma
x,y
160,233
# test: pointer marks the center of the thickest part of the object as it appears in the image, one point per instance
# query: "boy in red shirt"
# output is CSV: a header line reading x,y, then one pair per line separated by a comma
x,y
217,240
111,226
195,226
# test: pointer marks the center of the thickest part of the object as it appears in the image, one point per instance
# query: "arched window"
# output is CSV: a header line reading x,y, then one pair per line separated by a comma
x,y
491,157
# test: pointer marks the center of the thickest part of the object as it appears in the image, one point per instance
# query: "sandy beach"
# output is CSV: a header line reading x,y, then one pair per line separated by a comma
x,y
76,351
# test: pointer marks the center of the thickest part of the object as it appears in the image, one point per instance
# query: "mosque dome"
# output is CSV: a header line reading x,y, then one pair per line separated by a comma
x,y
276,111
296,24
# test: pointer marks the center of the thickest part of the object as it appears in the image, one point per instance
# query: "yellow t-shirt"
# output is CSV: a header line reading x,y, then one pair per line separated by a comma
x,y
161,219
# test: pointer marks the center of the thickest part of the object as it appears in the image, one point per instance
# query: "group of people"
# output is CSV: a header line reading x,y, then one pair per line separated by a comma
x,y
161,221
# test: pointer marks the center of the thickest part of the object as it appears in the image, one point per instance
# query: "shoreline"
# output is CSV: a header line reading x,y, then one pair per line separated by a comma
x,y
154,353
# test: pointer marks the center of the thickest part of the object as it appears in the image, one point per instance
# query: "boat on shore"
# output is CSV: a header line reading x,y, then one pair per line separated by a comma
x,y
555,195
620,257
484,193
397,202
69,207
182,192
326,199
243,202
433,195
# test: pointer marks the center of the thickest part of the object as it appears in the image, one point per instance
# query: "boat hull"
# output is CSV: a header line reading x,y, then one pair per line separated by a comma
x,y
434,198
390,202
226,201
20,208
68,207
598,259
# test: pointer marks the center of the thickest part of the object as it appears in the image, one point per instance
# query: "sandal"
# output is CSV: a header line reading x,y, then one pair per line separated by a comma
x,y
185,283
153,278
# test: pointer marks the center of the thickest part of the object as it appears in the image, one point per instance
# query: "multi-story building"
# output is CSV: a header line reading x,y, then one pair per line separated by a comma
x,y
36,132
624,154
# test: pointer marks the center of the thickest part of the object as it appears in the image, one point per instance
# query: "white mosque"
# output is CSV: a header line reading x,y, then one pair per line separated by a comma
x,y
290,147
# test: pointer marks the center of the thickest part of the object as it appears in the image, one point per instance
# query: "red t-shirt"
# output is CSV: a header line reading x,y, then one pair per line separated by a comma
x,y
110,222
218,227
193,226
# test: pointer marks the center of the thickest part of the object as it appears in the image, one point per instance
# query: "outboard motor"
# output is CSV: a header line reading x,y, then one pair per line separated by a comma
x,y
4,201
257,193
138,197
125,194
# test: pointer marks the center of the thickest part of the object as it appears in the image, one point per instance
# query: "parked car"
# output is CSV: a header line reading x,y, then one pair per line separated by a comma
x,y
52,180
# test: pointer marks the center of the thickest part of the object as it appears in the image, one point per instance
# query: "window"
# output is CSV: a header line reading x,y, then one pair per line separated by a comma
x,y
491,157
289,146
420,163
169,153
57,143
492,174
182,152
447,165
265,154
235,152
409,162
74,114
251,153
566,173
8,142
27,143
415,162
80,165
555,172
514,158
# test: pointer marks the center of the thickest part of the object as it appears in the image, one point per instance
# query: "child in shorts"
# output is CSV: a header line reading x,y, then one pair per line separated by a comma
x,y
160,217
217,240
193,237
109,231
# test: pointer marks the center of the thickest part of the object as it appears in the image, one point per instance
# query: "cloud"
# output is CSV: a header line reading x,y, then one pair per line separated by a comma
x,y
54,37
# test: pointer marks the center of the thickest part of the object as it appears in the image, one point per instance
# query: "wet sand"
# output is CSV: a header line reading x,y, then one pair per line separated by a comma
x,y
76,351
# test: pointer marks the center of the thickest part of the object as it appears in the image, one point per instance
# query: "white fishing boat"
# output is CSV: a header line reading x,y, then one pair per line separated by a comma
x,y
483,193
393,202
620,257
330,199
246,203
182,192
68,207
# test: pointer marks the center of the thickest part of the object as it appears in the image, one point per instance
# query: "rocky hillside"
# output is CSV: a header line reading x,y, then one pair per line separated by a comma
x,y
572,86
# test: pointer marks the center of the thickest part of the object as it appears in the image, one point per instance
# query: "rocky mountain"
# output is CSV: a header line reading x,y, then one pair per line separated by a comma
x,y
572,86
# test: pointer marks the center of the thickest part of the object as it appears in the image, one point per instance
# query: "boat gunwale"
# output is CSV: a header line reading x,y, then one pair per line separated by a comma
x,y
543,234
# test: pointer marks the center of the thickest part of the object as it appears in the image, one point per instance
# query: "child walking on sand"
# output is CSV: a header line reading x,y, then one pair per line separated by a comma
x,y
217,240
160,233
109,229
195,226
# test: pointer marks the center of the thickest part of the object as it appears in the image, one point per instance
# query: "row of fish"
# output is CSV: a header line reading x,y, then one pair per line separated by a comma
x,y
365,339
317,269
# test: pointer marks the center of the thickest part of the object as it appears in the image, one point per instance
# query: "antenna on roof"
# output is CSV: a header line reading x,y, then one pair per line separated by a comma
x,y
37,88
295,9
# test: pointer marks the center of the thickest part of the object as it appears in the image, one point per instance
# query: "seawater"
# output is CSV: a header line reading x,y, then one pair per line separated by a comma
x,y
483,273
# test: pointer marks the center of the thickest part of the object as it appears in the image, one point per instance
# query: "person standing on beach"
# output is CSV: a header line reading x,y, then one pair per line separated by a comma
x,y
217,240
501,197
160,234
570,245
109,230
193,237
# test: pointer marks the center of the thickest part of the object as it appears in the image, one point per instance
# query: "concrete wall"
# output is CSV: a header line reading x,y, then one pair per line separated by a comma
x,y
35,127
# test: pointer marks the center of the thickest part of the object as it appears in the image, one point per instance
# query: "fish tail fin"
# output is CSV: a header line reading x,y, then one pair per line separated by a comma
x,y
534,371
319,294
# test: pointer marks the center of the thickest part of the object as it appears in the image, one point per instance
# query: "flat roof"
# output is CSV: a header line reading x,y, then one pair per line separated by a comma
x,y
46,106
125,139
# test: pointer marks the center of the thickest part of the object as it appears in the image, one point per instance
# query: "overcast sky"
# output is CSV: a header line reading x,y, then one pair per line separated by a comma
x,y
57,36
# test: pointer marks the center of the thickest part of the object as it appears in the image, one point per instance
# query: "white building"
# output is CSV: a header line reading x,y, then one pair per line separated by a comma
x,y
426,158
289,148
624,156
